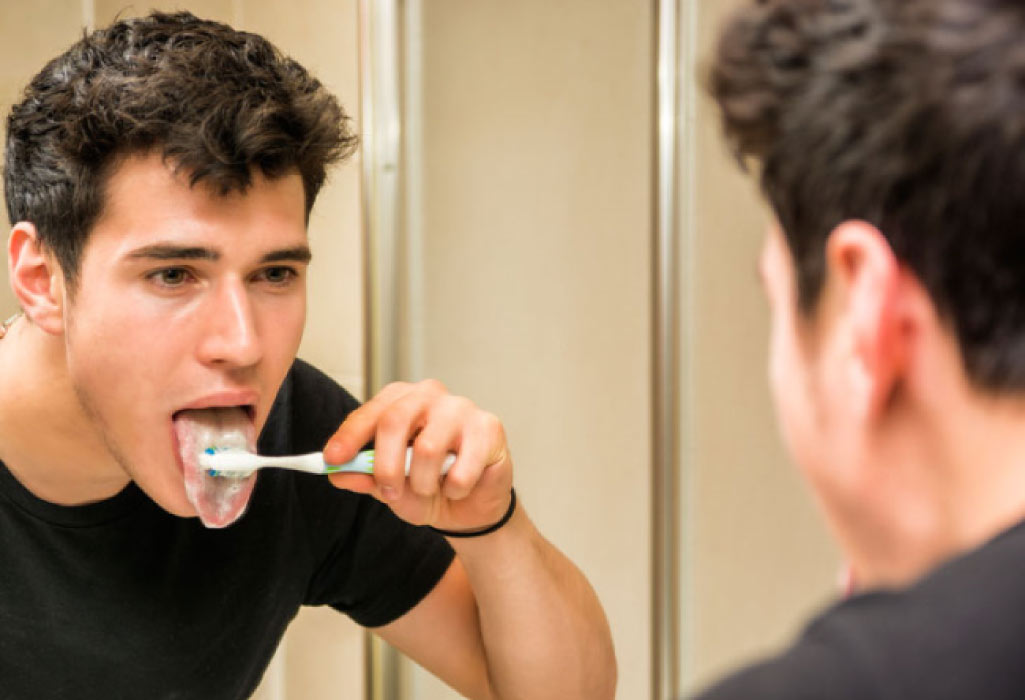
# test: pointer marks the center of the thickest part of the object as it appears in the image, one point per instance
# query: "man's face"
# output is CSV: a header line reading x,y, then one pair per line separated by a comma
x,y
186,299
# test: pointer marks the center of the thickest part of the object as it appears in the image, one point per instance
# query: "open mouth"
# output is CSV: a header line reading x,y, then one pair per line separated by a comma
x,y
219,501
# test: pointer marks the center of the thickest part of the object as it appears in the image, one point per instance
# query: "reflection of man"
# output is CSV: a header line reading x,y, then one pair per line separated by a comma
x,y
890,136
159,176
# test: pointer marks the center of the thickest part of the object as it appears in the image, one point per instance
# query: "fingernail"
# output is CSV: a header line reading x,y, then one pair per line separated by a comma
x,y
389,493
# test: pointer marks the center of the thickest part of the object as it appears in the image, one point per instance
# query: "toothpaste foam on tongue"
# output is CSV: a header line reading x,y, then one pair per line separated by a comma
x,y
218,500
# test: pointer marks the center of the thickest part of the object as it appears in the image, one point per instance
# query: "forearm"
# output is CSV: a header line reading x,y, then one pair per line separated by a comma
x,y
544,632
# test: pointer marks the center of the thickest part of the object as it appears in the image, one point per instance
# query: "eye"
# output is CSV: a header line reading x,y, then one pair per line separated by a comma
x,y
278,276
170,277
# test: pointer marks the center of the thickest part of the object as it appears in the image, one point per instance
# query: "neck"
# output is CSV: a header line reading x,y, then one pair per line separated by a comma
x,y
951,476
986,490
47,441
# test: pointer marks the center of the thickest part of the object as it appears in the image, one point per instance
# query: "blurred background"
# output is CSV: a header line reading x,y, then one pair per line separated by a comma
x,y
496,232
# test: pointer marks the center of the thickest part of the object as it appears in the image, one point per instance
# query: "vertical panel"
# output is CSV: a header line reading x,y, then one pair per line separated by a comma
x,y
380,58
665,388
537,217
30,35
757,557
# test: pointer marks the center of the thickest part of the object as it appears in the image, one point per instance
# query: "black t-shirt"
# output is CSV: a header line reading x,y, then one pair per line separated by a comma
x,y
120,599
958,634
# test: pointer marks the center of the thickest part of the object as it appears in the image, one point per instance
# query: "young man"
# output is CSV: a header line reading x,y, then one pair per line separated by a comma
x,y
890,138
159,177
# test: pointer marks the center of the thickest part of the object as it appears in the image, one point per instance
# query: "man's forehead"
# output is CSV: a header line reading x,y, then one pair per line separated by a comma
x,y
149,172
148,202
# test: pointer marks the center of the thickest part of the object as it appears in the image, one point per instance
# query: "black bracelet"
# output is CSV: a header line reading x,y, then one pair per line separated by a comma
x,y
488,530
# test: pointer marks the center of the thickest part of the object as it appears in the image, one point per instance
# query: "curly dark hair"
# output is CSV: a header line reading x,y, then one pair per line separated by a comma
x,y
215,102
908,114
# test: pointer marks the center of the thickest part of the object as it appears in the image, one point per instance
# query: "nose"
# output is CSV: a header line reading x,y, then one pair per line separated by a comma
x,y
230,338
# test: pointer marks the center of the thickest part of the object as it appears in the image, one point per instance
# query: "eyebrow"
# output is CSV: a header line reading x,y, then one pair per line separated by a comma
x,y
299,253
164,251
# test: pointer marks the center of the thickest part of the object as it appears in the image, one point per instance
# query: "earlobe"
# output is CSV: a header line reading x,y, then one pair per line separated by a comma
x,y
870,279
36,279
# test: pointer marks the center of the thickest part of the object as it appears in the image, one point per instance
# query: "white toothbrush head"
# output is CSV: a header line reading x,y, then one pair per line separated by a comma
x,y
228,461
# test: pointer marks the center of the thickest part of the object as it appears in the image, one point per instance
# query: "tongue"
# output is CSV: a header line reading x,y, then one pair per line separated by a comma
x,y
218,500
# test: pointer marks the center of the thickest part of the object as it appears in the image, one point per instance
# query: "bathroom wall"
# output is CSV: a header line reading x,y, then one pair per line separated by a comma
x,y
536,218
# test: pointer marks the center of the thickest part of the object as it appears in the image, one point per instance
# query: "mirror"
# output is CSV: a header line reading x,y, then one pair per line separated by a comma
x,y
525,212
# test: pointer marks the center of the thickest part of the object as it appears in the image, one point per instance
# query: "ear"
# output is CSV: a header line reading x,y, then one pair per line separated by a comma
x,y
36,279
868,277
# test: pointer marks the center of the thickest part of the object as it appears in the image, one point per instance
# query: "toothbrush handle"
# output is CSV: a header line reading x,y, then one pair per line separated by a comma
x,y
364,463
312,463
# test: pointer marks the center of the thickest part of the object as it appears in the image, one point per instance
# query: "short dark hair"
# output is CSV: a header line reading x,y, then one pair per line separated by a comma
x,y
908,114
215,102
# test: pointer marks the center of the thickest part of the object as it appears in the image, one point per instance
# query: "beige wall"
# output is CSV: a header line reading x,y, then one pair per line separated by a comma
x,y
537,209
756,557
322,654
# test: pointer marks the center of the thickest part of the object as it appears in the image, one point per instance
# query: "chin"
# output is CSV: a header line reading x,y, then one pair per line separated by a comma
x,y
163,484
181,510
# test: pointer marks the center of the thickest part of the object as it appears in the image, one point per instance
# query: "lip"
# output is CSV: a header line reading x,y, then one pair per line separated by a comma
x,y
246,399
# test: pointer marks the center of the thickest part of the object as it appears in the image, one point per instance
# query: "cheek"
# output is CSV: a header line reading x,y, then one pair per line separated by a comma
x,y
282,323
789,383
781,382
119,352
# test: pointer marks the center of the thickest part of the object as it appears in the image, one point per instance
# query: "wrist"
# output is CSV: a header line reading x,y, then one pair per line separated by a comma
x,y
500,554
487,530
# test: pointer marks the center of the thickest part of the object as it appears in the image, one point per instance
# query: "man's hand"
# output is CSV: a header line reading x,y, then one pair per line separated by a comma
x,y
512,617
476,491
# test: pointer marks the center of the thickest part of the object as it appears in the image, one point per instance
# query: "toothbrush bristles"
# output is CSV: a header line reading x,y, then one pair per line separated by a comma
x,y
229,473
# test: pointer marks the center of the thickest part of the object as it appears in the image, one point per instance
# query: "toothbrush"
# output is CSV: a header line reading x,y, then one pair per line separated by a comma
x,y
234,462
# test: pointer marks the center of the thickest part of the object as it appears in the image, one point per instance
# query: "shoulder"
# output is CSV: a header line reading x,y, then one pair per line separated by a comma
x,y
819,666
958,633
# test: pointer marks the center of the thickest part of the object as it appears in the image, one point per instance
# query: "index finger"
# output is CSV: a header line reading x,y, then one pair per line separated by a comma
x,y
359,427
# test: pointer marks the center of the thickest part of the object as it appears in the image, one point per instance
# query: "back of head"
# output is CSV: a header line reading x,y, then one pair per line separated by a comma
x,y
216,103
909,114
